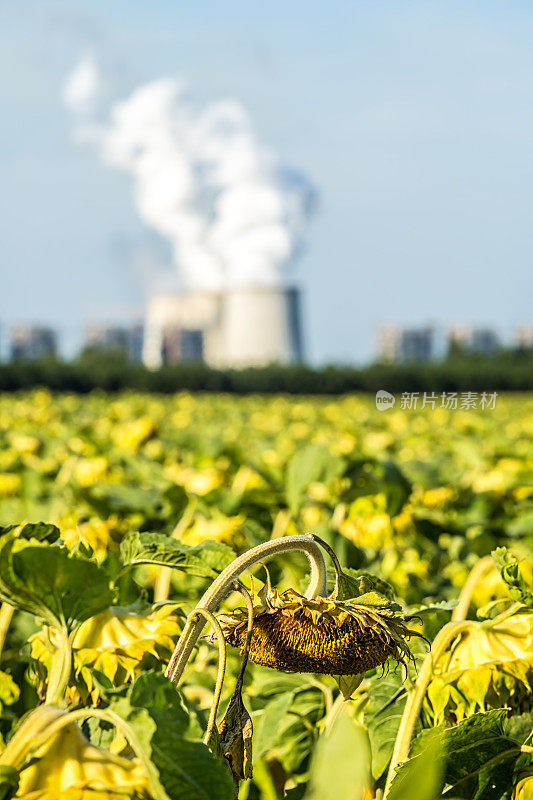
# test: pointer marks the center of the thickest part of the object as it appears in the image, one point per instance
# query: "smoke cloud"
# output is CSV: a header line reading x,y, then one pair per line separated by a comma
x,y
233,213
82,87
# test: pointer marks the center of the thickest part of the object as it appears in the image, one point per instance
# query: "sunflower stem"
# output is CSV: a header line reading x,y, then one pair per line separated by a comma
x,y
415,697
332,554
6,615
225,583
221,667
60,669
477,572
333,713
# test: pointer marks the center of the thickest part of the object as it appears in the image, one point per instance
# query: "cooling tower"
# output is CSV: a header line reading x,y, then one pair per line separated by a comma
x,y
260,327
238,327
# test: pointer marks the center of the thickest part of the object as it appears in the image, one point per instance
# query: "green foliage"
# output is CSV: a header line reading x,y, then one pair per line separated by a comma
x,y
266,728
63,588
505,371
509,567
478,757
420,778
9,781
386,702
408,500
185,767
315,463
339,769
204,560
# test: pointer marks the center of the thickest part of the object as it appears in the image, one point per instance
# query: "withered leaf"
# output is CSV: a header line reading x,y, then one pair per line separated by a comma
x,y
235,737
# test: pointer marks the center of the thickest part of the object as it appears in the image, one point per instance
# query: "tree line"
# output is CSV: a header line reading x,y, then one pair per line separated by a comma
x,y
510,370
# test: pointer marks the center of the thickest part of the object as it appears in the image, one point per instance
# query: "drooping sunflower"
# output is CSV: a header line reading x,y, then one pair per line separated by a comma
x,y
120,642
66,766
322,635
489,665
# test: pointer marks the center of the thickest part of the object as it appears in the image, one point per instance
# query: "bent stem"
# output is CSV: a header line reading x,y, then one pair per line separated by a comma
x,y
203,612
465,597
225,583
415,697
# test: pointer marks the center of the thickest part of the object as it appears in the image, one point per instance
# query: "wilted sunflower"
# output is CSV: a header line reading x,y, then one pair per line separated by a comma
x,y
120,642
67,767
322,635
489,665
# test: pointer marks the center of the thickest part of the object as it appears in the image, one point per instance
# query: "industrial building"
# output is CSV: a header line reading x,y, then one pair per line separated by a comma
x,y
32,342
524,337
398,345
249,327
482,341
126,340
401,345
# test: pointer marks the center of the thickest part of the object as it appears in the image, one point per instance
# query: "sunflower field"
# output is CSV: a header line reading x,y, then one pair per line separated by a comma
x,y
206,597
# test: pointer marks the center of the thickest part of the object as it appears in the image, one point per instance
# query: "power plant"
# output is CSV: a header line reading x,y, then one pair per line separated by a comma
x,y
238,327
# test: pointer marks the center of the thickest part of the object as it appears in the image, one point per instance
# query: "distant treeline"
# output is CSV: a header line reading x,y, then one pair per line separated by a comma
x,y
506,371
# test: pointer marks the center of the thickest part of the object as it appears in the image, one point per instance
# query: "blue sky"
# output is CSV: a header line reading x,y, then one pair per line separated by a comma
x,y
413,119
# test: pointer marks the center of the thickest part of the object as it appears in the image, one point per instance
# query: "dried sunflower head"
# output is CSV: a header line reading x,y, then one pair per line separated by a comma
x,y
322,635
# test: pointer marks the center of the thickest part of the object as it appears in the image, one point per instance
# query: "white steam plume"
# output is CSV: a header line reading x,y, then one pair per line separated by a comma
x,y
82,87
233,213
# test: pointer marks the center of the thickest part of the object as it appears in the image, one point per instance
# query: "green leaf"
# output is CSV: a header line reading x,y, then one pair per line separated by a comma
x,y
443,605
60,587
352,583
369,476
479,758
340,764
375,600
297,730
509,567
186,768
314,463
42,531
420,778
266,728
109,498
386,701
206,559
349,683
9,782
395,486
519,727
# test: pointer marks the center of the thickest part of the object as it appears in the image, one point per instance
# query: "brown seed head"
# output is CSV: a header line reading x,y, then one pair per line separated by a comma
x,y
325,636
